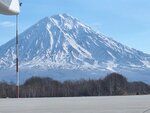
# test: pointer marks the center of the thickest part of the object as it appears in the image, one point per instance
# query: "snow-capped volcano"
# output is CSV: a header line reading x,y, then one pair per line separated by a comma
x,y
62,47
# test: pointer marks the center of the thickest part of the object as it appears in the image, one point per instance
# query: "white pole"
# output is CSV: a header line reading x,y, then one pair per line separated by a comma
x,y
17,60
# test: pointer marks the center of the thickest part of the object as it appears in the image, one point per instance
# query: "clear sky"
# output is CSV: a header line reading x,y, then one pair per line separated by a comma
x,y
126,21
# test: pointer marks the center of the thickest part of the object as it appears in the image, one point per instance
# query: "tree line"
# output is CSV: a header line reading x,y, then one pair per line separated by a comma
x,y
112,84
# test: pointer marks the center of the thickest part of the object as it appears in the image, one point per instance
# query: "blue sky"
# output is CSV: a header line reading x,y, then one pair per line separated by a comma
x,y
126,21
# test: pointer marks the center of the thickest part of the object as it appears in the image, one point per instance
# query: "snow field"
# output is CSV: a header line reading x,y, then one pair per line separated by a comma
x,y
116,104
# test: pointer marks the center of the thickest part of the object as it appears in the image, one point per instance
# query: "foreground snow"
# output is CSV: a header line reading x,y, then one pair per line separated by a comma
x,y
117,104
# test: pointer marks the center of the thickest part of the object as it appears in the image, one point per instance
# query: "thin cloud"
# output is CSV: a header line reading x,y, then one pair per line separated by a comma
x,y
96,26
7,24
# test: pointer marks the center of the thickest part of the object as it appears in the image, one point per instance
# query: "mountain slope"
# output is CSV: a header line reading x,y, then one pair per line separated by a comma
x,y
63,47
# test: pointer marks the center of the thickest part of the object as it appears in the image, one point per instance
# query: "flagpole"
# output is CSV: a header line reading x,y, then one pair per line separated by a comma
x,y
15,10
17,60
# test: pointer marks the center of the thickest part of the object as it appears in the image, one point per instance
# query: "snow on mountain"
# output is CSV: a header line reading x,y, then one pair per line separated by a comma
x,y
62,47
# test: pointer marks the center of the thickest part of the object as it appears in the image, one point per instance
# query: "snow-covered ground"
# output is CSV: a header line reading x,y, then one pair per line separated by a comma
x,y
116,104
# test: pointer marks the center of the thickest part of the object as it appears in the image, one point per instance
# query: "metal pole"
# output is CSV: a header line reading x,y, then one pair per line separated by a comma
x,y
17,60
